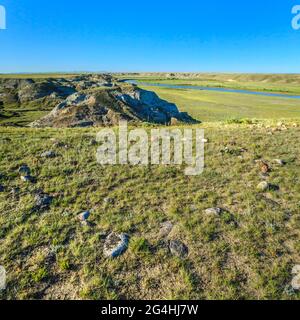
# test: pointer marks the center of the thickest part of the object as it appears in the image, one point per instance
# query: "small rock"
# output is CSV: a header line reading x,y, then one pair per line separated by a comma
x,y
213,211
279,162
296,269
24,170
84,215
296,282
48,154
166,228
42,201
27,178
204,140
115,244
264,167
178,248
263,186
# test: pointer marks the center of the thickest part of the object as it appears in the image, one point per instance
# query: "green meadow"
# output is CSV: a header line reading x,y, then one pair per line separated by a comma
x,y
247,252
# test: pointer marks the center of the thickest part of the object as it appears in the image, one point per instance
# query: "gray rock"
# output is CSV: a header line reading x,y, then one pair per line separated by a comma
x,y
178,248
24,170
27,178
296,269
48,154
213,211
166,228
280,162
115,244
84,215
263,186
42,201
296,282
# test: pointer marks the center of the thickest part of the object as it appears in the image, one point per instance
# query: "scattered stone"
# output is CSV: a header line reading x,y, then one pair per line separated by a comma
x,y
296,282
178,248
233,151
27,178
84,216
213,211
263,186
48,154
115,244
166,228
296,269
24,170
264,167
42,201
279,162
205,140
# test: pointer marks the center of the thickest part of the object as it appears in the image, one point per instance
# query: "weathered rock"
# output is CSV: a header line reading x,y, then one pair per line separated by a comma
x,y
27,178
178,248
166,228
296,282
264,167
115,244
108,107
263,186
296,269
24,170
48,154
213,211
42,201
280,162
84,215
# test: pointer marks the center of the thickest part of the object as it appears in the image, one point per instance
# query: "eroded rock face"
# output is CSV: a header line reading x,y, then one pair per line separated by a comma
x,y
107,107
90,100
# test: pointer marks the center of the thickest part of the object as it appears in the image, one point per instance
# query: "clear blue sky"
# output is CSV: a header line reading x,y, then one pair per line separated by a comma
x,y
157,35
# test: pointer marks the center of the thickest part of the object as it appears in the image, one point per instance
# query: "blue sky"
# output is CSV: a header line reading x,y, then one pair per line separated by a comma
x,y
164,35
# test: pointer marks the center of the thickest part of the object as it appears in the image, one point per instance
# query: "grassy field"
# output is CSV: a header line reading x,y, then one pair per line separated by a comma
x,y
219,106
246,253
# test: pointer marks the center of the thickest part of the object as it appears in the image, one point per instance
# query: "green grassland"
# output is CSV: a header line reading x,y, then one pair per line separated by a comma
x,y
220,106
246,253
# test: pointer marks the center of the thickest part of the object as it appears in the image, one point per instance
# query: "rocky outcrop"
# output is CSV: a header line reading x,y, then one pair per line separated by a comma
x,y
106,107
90,100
